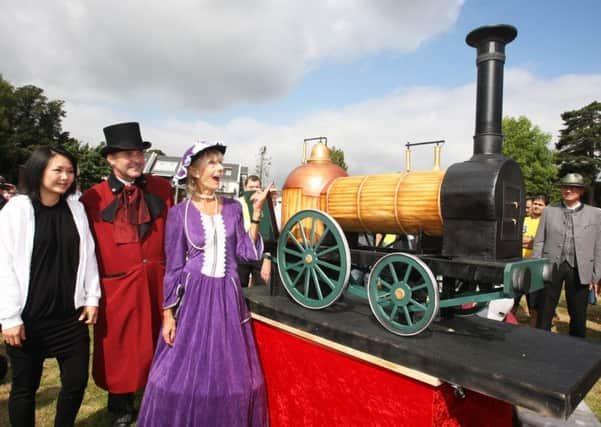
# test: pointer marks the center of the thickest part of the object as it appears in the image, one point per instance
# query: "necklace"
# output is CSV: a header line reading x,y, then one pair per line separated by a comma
x,y
188,232
206,196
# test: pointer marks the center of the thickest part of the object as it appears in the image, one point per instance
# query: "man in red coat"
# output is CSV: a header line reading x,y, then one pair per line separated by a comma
x,y
127,214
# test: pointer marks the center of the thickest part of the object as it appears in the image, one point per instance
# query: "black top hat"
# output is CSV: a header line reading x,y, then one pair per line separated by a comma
x,y
123,137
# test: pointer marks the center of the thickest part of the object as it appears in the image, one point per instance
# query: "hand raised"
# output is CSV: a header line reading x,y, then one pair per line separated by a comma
x,y
259,196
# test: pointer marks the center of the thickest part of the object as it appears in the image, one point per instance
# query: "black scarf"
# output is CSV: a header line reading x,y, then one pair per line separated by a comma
x,y
132,211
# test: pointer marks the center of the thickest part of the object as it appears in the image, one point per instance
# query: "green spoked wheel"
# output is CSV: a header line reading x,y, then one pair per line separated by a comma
x,y
313,259
403,294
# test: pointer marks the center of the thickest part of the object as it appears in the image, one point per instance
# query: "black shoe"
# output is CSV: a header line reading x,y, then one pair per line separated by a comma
x,y
123,420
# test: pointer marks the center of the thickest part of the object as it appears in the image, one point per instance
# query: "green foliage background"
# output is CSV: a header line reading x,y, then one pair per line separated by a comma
x,y
29,120
528,145
337,156
579,145
578,149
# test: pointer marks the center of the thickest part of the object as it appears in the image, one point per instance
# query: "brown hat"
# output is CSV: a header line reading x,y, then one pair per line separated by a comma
x,y
572,180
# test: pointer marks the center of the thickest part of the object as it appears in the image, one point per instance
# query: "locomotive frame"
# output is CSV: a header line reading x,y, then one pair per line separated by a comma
x,y
405,290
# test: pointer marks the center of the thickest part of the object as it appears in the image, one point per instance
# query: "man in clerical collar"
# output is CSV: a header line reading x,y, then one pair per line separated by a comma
x,y
569,234
127,214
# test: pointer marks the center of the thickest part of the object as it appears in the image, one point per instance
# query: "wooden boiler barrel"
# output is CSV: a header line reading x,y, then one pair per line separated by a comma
x,y
400,203
295,200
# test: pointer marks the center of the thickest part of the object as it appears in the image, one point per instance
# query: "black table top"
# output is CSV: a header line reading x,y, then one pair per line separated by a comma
x,y
547,373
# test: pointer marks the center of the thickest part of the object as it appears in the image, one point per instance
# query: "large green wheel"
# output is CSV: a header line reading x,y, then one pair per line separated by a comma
x,y
403,294
313,259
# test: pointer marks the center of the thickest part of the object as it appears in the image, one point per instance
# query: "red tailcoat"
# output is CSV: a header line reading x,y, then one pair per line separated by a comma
x,y
131,276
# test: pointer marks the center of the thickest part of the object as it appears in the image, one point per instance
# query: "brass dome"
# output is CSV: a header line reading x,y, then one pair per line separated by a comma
x,y
320,153
315,176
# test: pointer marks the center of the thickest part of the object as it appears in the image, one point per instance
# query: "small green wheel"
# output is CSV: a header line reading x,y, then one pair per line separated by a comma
x,y
403,294
313,259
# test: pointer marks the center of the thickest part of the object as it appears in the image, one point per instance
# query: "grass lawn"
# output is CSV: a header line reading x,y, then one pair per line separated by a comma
x,y
93,410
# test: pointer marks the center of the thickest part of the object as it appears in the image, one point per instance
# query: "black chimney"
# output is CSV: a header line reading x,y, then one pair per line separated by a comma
x,y
482,199
490,42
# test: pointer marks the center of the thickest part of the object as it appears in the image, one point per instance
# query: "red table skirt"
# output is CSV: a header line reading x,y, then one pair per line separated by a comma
x,y
314,382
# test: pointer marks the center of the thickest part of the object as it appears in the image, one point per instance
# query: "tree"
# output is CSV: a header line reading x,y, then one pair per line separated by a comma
x,y
528,146
337,156
29,120
6,106
579,144
91,164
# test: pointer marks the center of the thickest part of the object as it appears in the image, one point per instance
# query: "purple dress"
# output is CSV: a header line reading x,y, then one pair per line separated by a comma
x,y
212,375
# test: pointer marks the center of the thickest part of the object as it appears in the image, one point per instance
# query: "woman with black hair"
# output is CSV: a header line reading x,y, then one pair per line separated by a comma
x,y
49,287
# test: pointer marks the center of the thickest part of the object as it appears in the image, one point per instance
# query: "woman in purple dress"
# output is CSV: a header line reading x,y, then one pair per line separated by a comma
x,y
206,371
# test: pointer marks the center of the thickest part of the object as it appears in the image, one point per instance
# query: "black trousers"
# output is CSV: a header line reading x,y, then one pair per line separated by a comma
x,y
576,299
533,299
72,351
120,404
246,269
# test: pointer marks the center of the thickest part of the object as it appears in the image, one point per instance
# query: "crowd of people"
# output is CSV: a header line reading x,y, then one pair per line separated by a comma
x,y
124,259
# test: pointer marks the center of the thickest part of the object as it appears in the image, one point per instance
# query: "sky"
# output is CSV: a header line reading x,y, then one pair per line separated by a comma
x,y
370,75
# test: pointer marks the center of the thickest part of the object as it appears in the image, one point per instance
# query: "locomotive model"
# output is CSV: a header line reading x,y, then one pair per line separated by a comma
x,y
467,221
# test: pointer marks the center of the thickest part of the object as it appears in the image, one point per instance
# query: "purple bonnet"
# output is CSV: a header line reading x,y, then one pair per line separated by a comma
x,y
190,154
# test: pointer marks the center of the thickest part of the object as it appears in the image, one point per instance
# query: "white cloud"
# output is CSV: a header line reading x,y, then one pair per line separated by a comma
x,y
202,55
543,101
176,59
373,133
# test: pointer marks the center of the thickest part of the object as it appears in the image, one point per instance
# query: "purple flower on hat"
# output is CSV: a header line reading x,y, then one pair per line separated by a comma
x,y
190,154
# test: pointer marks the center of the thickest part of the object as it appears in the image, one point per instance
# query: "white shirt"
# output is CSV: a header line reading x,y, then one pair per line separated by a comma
x,y
17,229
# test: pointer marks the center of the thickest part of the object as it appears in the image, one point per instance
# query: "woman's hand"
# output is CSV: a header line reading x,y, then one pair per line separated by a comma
x,y
14,336
89,314
168,327
258,199
266,270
